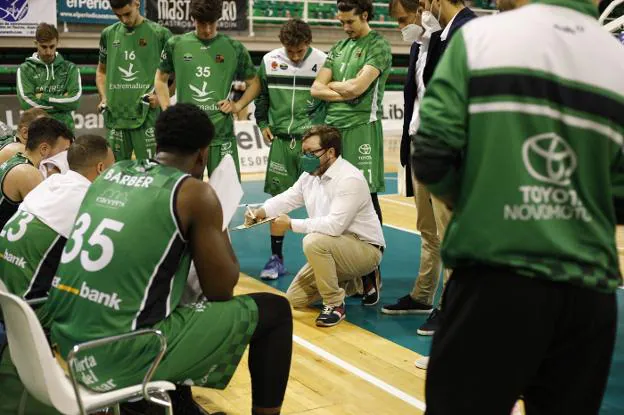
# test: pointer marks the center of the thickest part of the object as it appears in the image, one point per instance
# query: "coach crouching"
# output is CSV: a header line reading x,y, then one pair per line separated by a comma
x,y
344,238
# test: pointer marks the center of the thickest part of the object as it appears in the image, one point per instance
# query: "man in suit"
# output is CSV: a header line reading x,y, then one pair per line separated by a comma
x,y
433,216
452,15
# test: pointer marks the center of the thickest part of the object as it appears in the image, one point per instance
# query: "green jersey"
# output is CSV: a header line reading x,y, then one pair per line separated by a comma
x,y
285,102
30,252
7,139
204,72
8,207
98,291
346,59
131,56
526,140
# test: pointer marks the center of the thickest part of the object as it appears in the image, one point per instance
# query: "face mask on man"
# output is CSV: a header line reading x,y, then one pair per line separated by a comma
x,y
310,162
412,32
430,23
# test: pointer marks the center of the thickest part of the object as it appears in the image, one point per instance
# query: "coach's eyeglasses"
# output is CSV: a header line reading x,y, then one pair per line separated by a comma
x,y
313,152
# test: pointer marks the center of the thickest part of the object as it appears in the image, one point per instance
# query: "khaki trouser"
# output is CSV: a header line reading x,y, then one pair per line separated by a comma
x,y
335,265
433,217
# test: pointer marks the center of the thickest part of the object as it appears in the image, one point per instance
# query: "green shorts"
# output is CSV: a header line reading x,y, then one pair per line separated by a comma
x,y
362,146
141,140
283,165
205,343
14,398
218,150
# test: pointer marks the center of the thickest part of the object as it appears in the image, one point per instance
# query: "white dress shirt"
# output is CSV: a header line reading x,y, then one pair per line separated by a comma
x,y
447,28
338,202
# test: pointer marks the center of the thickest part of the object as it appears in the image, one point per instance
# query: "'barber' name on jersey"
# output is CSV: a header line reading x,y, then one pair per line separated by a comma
x,y
128,180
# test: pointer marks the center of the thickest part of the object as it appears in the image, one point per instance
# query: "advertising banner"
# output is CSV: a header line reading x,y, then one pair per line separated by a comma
x,y
88,11
21,17
175,15
252,150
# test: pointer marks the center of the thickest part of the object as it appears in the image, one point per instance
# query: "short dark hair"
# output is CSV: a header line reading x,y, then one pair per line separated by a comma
x,y
295,32
29,116
359,7
330,137
119,4
206,11
46,32
86,151
47,130
183,129
410,6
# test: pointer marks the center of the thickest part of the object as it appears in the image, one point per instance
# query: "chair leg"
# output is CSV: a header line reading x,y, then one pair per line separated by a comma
x,y
168,408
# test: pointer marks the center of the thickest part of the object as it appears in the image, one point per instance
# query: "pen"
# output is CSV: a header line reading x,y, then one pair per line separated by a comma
x,y
250,212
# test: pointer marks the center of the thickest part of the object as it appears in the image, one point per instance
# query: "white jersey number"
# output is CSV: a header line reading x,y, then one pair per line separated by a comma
x,y
96,239
23,219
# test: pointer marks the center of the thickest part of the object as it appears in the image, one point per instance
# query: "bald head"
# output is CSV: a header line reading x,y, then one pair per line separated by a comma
x,y
90,155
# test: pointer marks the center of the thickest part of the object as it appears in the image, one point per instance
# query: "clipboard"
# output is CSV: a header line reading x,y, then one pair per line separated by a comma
x,y
263,221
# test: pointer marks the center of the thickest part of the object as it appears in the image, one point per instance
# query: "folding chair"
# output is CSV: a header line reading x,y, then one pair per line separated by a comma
x,y
46,381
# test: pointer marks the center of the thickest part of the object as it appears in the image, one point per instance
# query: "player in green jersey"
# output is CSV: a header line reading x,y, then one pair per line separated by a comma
x,y
20,174
205,63
31,243
48,81
534,175
101,291
353,81
129,56
285,110
10,145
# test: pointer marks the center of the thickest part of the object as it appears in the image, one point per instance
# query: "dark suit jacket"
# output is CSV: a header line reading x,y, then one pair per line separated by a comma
x,y
437,46
434,53
410,92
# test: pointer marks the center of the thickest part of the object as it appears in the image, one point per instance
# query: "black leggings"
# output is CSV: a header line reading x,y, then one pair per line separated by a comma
x,y
270,350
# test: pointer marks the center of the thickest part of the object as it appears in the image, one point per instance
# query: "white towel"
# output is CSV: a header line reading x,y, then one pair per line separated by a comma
x,y
59,161
56,200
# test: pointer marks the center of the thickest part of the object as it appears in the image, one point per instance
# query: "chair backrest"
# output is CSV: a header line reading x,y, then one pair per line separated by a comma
x,y
41,374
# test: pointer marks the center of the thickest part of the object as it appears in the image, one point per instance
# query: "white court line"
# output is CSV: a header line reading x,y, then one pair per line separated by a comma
x,y
398,202
409,399
398,228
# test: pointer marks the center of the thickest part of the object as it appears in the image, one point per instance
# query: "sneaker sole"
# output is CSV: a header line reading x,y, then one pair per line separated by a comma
x,y
404,312
425,332
370,304
269,277
322,324
420,365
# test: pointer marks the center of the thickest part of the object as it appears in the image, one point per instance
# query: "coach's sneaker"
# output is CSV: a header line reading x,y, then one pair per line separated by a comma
x,y
406,305
372,289
431,325
331,315
273,269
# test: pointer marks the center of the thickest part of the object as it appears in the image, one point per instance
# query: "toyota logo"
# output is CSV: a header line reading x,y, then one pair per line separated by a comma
x,y
549,158
365,149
